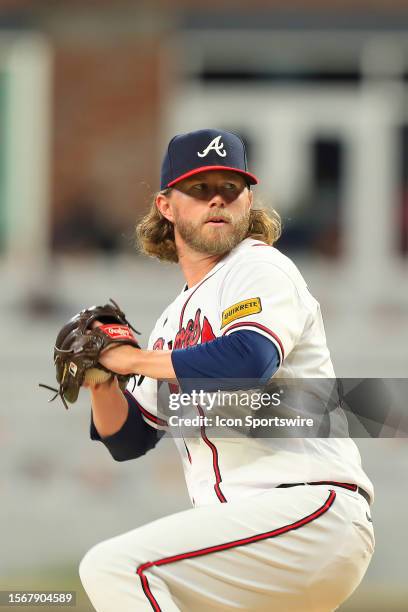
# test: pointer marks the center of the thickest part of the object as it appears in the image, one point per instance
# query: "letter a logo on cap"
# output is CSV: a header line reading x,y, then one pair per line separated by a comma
x,y
215,145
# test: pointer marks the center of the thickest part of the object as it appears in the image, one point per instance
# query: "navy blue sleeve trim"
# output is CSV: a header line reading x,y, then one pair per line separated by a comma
x,y
134,439
245,356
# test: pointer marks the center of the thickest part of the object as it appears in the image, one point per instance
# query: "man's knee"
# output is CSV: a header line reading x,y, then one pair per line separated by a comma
x,y
109,559
94,566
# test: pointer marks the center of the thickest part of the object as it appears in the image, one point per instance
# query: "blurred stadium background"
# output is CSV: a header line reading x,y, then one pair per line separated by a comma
x,y
90,92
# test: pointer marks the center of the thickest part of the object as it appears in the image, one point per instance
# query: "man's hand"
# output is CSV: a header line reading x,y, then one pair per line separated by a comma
x,y
120,359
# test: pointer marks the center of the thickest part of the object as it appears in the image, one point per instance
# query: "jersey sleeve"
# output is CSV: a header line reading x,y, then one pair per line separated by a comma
x,y
260,296
134,439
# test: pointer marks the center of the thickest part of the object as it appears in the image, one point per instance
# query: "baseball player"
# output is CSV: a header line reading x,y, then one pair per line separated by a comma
x,y
277,523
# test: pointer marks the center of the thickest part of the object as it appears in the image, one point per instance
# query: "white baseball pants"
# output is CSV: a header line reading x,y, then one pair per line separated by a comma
x,y
300,549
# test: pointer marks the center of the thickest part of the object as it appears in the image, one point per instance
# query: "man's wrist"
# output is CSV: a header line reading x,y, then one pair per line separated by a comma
x,y
136,358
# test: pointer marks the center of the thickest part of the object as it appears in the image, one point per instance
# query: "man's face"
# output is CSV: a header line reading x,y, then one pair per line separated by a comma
x,y
210,211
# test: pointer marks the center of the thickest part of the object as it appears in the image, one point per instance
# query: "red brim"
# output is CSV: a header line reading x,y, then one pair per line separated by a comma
x,y
251,178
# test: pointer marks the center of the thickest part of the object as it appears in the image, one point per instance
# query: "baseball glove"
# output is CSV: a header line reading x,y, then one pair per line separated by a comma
x,y
79,345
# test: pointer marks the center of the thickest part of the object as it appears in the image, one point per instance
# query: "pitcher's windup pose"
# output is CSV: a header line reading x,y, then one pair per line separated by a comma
x,y
281,523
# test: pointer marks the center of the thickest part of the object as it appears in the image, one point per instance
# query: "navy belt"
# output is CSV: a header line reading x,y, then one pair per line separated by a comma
x,y
343,485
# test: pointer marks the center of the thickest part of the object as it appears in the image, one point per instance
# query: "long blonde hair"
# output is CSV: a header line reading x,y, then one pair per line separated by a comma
x,y
155,234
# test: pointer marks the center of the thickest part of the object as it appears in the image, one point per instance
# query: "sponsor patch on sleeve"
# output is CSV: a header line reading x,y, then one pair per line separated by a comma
x,y
241,309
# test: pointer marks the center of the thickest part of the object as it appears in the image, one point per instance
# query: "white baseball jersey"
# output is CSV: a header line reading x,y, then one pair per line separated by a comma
x,y
255,287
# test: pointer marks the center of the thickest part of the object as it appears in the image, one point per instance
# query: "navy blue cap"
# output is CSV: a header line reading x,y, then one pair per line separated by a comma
x,y
188,154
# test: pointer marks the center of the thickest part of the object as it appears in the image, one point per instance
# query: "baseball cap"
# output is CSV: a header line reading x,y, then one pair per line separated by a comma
x,y
209,149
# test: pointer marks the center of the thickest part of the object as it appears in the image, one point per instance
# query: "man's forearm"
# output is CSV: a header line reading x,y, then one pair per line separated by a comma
x,y
241,355
129,360
155,364
109,408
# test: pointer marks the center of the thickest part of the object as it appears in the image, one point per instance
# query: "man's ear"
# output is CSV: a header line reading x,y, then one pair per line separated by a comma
x,y
164,206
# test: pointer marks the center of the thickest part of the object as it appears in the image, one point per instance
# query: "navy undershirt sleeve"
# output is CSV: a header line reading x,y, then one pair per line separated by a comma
x,y
134,438
241,358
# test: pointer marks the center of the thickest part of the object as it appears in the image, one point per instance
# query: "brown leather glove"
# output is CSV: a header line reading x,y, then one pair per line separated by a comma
x,y
79,345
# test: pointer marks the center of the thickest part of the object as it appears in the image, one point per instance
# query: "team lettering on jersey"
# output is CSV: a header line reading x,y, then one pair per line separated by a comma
x,y
190,335
194,332
158,345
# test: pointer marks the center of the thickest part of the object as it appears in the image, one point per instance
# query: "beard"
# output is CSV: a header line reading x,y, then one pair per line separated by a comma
x,y
213,240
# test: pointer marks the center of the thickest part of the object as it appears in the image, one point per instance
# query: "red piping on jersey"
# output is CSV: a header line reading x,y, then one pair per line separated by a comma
x,y
226,546
213,448
191,295
146,413
259,326
216,466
